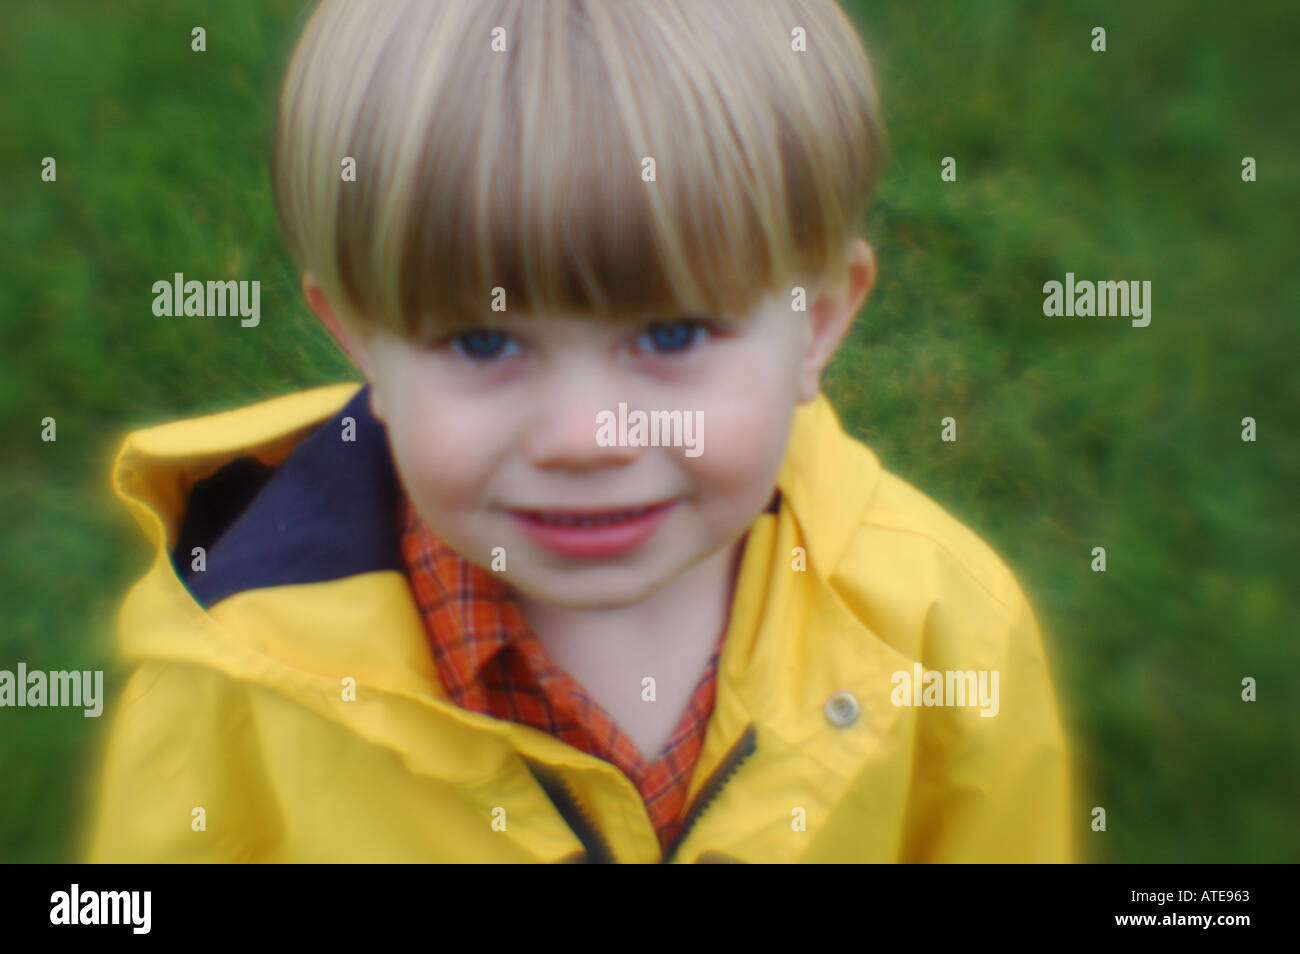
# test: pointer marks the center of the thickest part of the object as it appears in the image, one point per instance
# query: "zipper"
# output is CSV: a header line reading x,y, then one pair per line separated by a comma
x,y
597,848
710,790
598,851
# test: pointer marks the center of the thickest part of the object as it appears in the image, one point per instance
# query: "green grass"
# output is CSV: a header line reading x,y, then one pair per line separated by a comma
x,y
1071,433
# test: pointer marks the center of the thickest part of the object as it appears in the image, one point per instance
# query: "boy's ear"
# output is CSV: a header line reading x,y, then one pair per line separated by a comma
x,y
831,315
320,304
354,346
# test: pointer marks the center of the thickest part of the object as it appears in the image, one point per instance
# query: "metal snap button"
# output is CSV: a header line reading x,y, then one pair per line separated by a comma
x,y
842,709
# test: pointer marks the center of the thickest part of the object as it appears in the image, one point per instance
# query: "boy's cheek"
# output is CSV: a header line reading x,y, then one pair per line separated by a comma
x,y
444,457
741,451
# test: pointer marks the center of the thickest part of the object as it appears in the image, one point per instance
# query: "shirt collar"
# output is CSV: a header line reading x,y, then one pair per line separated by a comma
x,y
470,615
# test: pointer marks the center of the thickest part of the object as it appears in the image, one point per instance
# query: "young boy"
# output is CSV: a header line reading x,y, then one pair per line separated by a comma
x,y
587,570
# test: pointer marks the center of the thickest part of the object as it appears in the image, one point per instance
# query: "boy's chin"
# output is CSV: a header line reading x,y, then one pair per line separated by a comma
x,y
585,595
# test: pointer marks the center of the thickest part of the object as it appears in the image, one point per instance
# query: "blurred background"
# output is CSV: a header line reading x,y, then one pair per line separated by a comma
x,y
1072,433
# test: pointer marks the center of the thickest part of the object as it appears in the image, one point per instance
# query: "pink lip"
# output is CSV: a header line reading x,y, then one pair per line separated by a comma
x,y
608,540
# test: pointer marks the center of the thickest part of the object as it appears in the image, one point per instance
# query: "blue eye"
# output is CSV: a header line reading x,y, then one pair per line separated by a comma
x,y
673,336
482,345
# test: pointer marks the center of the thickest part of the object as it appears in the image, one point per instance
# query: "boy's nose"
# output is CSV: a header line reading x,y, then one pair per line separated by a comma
x,y
562,431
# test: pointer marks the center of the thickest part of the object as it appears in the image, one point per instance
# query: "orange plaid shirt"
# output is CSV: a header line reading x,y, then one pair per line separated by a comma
x,y
491,661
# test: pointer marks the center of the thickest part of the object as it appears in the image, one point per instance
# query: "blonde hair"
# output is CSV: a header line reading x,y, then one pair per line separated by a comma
x,y
523,169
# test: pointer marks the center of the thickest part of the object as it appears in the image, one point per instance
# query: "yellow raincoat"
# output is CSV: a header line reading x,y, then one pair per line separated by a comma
x,y
285,707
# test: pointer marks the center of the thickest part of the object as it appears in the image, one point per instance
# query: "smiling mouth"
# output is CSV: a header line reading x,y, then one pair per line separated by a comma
x,y
588,517
589,533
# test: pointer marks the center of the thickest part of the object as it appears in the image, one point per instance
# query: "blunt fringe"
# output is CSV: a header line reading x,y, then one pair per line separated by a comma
x,y
523,169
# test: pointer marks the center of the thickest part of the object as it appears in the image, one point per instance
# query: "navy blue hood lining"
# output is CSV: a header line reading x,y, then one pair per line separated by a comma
x,y
327,512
